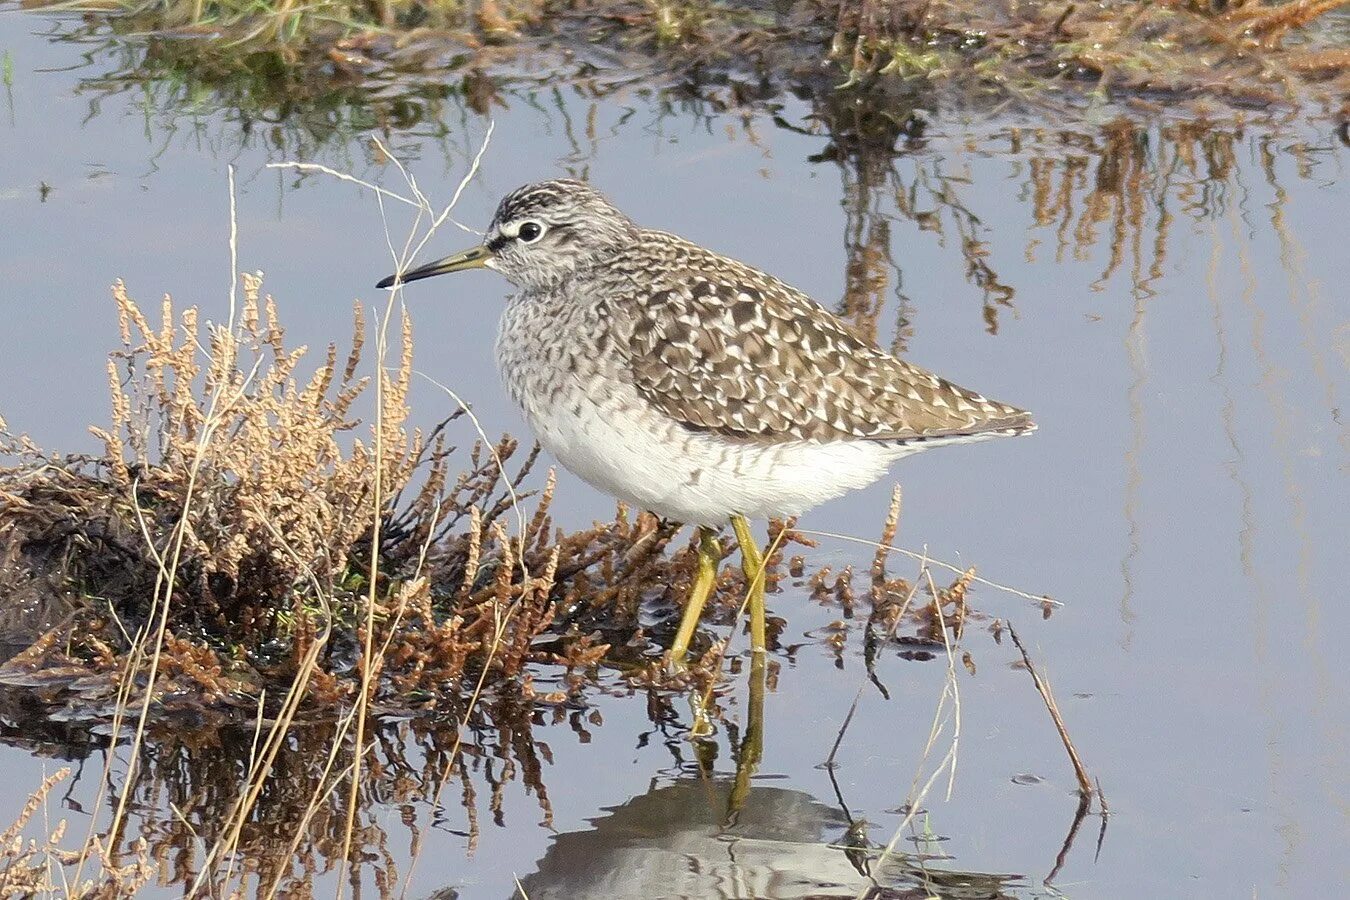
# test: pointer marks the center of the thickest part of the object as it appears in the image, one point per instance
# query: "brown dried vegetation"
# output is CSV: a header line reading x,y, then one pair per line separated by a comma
x,y
248,485
29,868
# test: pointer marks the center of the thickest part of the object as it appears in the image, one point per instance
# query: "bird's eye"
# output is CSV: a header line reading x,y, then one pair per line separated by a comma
x,y
529,232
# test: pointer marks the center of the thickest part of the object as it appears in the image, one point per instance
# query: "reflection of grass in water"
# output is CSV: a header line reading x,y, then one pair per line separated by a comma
x,y
500,774
184,793
1117,189
266,98
960,50
278,23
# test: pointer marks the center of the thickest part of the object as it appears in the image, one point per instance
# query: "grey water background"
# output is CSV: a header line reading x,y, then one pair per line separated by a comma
x,y
1186,497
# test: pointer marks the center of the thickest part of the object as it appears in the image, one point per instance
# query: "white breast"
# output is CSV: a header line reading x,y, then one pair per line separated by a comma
x,y
693,477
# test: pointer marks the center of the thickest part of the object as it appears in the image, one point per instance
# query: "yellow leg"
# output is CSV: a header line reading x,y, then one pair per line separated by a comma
x,y
752,562
709,555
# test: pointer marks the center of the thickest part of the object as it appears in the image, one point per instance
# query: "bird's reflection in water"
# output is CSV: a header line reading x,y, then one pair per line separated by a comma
x,y
673,842
723,836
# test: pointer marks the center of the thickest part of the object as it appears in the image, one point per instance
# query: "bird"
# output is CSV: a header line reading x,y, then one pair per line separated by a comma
x,y
697,387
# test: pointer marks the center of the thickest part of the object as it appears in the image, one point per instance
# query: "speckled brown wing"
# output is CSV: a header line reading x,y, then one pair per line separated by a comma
x,y
725,348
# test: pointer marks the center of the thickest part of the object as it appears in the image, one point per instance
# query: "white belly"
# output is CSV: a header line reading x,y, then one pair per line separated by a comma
x,y
625,450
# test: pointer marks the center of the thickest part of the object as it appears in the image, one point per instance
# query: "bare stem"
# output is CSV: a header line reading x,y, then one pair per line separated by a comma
x,y
1084,781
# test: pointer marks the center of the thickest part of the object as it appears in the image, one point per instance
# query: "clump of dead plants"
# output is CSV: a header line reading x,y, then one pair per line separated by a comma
x,y
233,515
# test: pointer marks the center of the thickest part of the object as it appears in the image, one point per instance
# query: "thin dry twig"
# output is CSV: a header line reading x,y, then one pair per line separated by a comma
x,y
929,561
1084,781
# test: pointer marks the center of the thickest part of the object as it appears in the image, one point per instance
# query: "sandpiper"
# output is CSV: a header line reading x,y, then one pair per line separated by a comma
x,y
693,385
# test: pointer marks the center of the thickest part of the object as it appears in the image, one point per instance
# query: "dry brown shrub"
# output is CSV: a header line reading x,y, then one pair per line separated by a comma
x,y
218,433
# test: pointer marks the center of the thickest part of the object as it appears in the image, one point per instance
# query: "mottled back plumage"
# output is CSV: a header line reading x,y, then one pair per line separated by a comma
x,y
726,348
695,386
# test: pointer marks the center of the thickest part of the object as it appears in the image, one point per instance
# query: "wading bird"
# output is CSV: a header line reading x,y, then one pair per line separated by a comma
x,y
693,385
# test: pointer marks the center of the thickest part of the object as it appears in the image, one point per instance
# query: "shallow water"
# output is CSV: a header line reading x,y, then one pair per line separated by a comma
x,y
1168,298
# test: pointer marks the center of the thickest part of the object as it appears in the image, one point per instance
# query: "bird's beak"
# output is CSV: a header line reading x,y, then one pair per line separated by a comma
x,y
473,258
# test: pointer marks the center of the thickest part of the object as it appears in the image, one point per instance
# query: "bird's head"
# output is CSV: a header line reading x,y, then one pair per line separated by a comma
x,y
541,234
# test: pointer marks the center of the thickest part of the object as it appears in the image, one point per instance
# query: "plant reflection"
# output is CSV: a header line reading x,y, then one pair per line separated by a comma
x,y
1119,187
192,777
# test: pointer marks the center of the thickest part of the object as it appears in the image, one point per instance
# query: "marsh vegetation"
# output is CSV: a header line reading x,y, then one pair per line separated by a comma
x,y
271,56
